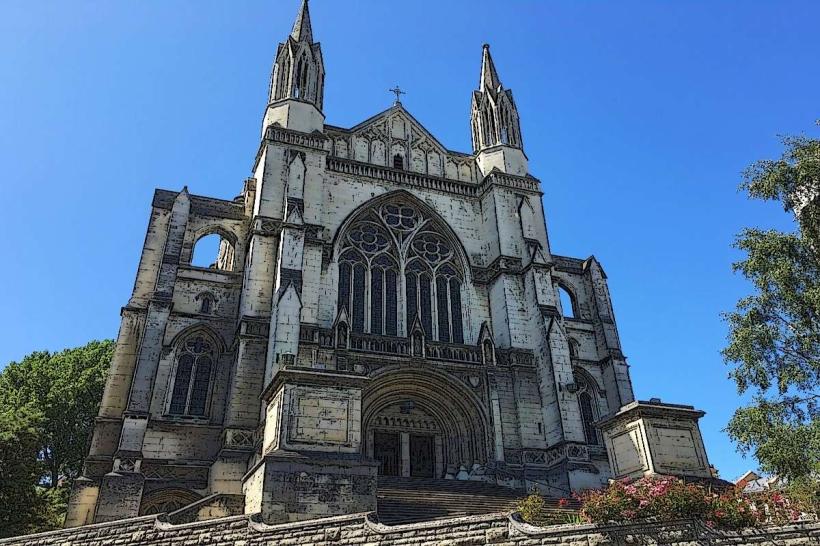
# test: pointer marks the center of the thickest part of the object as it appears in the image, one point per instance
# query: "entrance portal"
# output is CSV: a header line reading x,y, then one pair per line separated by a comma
x,y
387,450
422,424
422,457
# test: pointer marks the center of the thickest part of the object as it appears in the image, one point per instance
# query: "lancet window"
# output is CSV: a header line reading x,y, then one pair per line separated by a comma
x,y
587,405
395,266
195,360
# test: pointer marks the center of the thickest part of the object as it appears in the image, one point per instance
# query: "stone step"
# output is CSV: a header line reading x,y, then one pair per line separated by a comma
x,y
410,500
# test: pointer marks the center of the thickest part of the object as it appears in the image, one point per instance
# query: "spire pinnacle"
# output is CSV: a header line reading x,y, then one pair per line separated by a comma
x,y
302,31
489,77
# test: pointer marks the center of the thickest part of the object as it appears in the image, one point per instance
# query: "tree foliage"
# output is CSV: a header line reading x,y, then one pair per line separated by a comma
x,y
48,403
774,334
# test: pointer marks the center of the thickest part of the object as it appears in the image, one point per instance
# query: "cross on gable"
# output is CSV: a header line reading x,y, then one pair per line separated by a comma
x,y
398,92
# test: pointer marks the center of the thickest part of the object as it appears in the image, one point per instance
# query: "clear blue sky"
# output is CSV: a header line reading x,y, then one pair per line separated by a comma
x,y
637,117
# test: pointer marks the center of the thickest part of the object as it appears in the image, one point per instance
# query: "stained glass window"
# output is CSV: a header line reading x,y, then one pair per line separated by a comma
x,y
374,247
376,301
588,417
391,303
344,286
455,310
412,298
425,305
359,273
443,308
192,379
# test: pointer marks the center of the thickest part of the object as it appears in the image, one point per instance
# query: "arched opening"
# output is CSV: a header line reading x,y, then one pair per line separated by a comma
x,y
398,161
397,263
165,501
587,395
568,308
213,251
573,347
206,302
195,360
423,425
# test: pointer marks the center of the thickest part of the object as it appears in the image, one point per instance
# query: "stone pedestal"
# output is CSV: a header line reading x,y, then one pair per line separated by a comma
x,y
654,438
313,464
120,496
83,502
288,486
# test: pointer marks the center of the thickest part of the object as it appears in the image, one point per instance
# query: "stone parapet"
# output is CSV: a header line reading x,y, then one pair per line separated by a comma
x,y
363,529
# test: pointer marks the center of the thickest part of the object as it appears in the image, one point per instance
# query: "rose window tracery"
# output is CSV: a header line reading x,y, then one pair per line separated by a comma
x,y
394,264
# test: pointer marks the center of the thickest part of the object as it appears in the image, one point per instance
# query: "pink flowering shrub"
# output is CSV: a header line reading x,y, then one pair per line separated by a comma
x,y
668,498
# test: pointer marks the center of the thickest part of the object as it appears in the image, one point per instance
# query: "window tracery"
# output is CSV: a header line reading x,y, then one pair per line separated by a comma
x,y
588,407
394,264
192,379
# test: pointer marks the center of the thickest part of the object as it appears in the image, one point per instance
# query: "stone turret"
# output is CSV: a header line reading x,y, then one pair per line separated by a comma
x,y
495,127
297,80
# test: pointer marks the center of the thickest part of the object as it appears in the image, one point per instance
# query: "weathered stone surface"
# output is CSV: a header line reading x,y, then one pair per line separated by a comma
x,y
377,302
359,529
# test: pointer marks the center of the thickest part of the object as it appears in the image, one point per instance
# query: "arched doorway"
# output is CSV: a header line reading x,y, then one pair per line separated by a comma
x,y
423,423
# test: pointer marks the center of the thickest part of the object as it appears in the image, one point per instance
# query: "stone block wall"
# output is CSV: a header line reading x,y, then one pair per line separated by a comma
x,y
361,529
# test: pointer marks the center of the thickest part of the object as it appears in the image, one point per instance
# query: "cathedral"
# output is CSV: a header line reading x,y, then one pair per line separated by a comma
x,y
380,308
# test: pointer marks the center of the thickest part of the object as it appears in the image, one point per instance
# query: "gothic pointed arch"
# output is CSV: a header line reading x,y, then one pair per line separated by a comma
x,y
436,402
588,393
398,260
196,353
165,501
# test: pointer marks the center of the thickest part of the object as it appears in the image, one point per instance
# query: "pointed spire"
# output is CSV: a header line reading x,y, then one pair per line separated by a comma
x,y
302,31
489,77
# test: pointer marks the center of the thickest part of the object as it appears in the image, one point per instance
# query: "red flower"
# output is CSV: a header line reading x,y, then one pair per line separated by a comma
x,y
563,503
719,513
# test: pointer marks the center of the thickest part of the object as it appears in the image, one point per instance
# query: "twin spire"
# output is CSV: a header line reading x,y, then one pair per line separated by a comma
x,y
489,77
302,31
493,117
298,73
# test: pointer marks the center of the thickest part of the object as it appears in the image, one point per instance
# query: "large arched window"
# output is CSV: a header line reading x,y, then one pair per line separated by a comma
x,y
196,357
588,407
568,307
395,254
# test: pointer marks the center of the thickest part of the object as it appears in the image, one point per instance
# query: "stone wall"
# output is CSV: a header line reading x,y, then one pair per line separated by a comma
x,y
361,529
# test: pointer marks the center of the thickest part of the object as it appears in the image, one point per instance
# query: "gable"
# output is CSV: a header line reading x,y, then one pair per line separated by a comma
x,y
396,133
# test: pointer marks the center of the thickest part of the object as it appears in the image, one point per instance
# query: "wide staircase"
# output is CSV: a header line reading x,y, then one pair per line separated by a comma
x,y
410,500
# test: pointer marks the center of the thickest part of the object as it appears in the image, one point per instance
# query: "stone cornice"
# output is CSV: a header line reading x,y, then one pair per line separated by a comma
x,y
430,182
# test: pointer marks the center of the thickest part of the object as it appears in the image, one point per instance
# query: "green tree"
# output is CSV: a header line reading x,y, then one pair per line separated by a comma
x,y
59,395
774,334
22,507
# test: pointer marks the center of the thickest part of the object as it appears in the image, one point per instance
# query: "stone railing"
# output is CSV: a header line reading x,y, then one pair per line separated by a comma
x,y
515,357
400,177
358,529
451,352
285,136
572,452
391,345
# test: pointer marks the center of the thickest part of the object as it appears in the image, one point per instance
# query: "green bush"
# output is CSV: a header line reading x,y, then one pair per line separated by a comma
x,y
668,498
535,510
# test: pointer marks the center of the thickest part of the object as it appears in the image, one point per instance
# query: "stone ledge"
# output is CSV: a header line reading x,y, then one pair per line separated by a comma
x,y
361,528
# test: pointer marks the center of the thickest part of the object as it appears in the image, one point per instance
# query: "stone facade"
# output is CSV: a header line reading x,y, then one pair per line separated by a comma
x,y
378,304
361,529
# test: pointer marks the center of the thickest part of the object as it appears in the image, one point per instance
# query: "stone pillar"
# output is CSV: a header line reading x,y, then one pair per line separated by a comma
x,y
83,502
313,463
118,381
121,490
405,454
648,438
120,496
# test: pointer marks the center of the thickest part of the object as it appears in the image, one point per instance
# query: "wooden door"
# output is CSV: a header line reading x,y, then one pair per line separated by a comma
x,y
422,460
387,450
